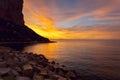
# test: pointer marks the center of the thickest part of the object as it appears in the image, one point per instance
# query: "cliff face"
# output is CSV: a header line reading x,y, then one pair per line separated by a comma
x,y
12,28
11,10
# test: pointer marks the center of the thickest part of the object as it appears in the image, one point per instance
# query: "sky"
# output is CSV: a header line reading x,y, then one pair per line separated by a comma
x,y
73,19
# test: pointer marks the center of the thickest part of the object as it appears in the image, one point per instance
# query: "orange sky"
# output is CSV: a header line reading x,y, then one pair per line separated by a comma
x,y
74,19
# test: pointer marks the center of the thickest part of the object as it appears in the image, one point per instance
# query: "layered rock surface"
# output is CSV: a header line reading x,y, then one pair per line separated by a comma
x,y
12,28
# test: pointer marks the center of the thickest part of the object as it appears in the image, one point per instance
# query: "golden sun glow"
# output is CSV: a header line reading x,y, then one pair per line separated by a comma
x,y
47,29
42,17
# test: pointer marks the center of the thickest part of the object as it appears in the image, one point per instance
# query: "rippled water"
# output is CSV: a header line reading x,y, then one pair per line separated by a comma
x,y
88,57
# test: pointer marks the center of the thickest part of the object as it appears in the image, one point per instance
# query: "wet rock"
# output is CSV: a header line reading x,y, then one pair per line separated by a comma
x,y
33,67
51,68
27,67
4,71
15,59
37,68
63,66
38,77
32,63
60,77
28,73
61,72
56,65
51,73
53,62
22,78
71,75
53,78
3,64
1,79
18,69
44,72
28,70
43,64
14,72
24,59
8,78
10,62
58,70
48,79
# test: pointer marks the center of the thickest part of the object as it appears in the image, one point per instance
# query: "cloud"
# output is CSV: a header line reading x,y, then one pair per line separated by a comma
x,y
45,16
103,10
95,32
58,12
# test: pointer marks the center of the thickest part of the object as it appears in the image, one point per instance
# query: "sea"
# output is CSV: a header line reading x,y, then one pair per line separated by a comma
x,y
92,59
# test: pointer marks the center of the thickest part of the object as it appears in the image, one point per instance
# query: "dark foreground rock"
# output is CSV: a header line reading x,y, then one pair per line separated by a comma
x,y
16,65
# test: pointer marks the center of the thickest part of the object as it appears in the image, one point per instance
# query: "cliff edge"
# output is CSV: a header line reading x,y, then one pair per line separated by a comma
x,y
12,28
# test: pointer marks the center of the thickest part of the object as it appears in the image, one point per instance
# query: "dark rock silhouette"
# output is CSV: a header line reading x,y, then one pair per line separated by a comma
x,y
11,10
12,28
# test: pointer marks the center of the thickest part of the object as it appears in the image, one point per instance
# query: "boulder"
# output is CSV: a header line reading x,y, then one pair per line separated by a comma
x,y
27,67
38,77
71,75
44,72
3,64
28,70
4,71
60,77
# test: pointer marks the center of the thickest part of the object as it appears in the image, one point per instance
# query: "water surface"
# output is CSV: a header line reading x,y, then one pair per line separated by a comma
x,y
87,57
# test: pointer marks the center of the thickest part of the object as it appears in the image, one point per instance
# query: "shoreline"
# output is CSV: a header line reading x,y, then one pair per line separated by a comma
x,y
16,65
25,43
20,45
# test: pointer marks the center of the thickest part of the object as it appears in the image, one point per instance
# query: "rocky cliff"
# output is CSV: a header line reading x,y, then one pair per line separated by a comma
x,y
11,10
12,28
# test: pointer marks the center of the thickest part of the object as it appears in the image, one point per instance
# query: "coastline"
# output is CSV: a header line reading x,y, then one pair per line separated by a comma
x,y
16,65
21,45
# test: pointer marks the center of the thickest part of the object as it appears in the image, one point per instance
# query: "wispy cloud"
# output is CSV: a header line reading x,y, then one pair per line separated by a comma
x,y
100,16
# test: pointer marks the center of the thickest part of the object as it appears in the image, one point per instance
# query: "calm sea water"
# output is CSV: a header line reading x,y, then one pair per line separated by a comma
x,y
87,57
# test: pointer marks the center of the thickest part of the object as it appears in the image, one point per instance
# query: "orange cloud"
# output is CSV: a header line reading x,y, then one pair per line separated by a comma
x,y
42,21
41,24
94,34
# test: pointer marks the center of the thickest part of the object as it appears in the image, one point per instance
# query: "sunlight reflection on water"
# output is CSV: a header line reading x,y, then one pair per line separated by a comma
x,y
101,57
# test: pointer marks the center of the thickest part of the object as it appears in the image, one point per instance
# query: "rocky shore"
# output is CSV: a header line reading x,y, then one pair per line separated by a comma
x,y
16,65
